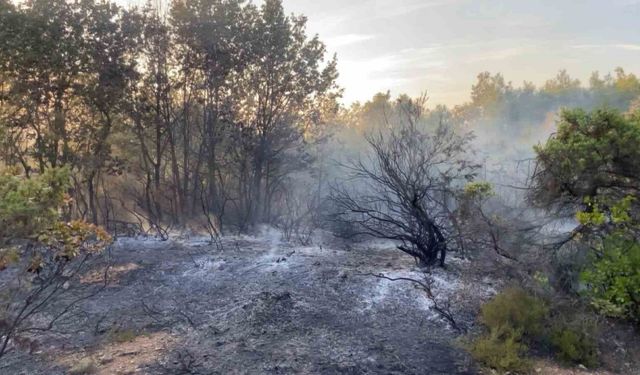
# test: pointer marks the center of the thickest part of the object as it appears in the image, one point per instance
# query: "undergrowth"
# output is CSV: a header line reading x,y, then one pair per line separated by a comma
x,y
517,323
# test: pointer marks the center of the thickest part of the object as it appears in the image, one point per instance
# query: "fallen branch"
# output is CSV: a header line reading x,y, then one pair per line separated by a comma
x,y
444,310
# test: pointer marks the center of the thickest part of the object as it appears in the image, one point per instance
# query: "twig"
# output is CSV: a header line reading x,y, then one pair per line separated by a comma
x,y
444,311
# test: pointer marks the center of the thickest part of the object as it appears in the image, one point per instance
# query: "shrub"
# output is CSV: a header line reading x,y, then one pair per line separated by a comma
x,y
514,310
41,257
501,352
30,206
574,345
512,318
515,319
613,278
571,335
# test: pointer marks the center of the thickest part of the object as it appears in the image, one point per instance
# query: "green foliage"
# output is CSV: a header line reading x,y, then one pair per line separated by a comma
x,y
572,335
575,345
603,210
512,319
478,190
592,156
29,206
627,84
489,92
514,311
593,217
621,211
594,162
562,84
37,246
613,278
472,197
30,211
502,353
498,105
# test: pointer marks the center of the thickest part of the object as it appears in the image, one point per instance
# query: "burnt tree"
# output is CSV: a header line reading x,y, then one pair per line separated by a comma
x,y
404,189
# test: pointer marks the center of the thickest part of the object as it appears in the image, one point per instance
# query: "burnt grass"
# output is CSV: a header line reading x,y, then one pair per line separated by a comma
x,y
254,306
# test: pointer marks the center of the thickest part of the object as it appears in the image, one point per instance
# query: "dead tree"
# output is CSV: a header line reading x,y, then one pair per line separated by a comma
x,y
298,214
402,191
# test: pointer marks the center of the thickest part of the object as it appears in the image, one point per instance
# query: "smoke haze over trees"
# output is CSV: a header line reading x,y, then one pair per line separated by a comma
x,y
213,107
221,118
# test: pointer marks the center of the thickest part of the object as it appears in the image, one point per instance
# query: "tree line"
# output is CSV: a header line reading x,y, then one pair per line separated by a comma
x,y
217,112
495,102
207,108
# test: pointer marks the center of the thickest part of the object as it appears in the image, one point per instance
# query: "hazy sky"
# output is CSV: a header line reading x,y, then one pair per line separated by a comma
x,y
439,46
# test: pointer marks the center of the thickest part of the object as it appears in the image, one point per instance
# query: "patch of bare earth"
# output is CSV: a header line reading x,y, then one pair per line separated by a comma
x,y
112,273
120,358
547,368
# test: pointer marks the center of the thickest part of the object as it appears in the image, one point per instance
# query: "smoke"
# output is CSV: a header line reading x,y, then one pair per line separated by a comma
x,y
507,123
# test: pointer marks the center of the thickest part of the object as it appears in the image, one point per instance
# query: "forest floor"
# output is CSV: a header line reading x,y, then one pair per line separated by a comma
x,y
260,306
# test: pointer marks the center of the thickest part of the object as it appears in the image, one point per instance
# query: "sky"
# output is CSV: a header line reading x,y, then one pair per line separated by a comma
x,y
440,46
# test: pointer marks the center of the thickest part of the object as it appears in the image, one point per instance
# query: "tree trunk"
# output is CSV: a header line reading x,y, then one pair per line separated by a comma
x,y
92,198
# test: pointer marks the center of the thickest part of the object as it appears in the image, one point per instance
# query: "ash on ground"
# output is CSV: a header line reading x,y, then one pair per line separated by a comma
x,y
256,305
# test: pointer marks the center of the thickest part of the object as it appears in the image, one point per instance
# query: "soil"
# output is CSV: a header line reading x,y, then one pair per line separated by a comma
x,y
258,306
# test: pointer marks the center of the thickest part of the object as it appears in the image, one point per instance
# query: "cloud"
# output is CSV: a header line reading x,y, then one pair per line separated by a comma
x,y
363,76
629,47
502,54
357,11
347,39
627,2
395,8
623,46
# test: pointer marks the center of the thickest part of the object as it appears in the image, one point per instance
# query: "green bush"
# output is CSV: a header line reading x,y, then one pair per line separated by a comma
x,y
613,278
514,310
511,319
515,319
504,353
575,346
29,206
